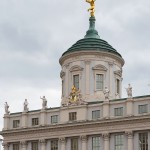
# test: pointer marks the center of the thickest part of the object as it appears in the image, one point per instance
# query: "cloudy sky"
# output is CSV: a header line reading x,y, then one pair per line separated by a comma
x,y
34,34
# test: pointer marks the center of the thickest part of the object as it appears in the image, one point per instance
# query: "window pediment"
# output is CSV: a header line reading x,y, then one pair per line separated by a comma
x,y
76,68
100,67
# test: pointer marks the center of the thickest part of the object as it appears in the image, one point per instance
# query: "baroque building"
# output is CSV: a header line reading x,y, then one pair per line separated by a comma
x,y
93,115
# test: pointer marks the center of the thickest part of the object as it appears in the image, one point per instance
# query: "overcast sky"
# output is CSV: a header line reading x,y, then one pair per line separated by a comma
x,y
34,34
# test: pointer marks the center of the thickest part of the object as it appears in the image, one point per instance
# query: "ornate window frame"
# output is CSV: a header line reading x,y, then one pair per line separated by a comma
x,y
76,70
99,69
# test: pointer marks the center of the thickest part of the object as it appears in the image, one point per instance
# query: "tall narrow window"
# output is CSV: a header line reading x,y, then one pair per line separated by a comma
x,y
16,123
74,144
35,121
118,86
143,141
95,114
54,119
16,146
62,87
96,143
99,81
76,81
143,109
72,116
118,111
34,145
119,142
54,145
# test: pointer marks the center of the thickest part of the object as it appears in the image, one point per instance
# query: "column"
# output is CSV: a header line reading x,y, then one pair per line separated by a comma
x,y
23,145
87,79
62,143
43,144
130,139
24,119
67,81
106,109
5,146
43,117
84,140
111,80
129,107
6,121
106,140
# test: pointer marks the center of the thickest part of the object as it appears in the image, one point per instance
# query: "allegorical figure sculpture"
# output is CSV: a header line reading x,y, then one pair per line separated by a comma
x,y
92,8
25,105
44,103
129,91
106,93
6,108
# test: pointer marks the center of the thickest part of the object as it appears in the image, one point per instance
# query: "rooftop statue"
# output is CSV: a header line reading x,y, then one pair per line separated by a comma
x,y
44,103
129,91
92,8
6,108
26,109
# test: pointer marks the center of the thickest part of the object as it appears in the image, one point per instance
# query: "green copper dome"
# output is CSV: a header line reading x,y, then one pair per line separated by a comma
x,y
91,41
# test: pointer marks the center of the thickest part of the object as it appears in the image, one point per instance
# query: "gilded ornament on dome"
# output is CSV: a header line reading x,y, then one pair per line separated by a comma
x,y
92,8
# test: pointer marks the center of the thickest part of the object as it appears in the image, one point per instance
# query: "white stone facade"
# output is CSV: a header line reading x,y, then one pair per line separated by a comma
x,y
87,64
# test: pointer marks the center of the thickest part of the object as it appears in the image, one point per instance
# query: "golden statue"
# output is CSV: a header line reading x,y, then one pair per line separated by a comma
x,y
92,8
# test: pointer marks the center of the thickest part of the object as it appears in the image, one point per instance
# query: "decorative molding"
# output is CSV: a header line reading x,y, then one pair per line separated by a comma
x,y
23,143
84,138
100,67
129,134
118,72
42,141
62,140
106,136
76,68
62,74
87,62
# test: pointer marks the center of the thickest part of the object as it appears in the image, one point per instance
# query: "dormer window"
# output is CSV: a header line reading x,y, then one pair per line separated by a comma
x,y
76,81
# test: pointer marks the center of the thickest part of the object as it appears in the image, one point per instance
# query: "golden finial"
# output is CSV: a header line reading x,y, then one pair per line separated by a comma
x,y
92,8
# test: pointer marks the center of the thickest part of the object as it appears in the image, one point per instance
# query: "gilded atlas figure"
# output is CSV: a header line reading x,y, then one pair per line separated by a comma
x,y
92,8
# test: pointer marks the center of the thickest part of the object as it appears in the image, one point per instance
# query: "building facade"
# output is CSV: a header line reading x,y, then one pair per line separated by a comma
x,y
93,115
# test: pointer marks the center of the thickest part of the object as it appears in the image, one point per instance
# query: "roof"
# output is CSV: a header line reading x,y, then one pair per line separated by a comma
x,y
91,41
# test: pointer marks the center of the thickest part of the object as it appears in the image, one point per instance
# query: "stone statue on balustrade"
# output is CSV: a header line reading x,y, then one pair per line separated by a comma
x,y
26,109
6,108
44,102
106,93
129,91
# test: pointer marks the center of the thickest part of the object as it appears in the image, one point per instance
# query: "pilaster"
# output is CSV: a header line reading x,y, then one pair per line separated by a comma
x,y
23,145
106,137
84,140
5,146
106,109
43,144
129,107
43,117
130,139
6,121
24,119
62,143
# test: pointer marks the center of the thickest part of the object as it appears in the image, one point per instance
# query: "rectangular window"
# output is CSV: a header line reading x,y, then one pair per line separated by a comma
x,y
95,114
143,141
72,116
118,111
54,119
119,142
16,146
16,123
34,145
35,121
76,81
95,143
74,144
143,109
118,86
99,81
54,145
